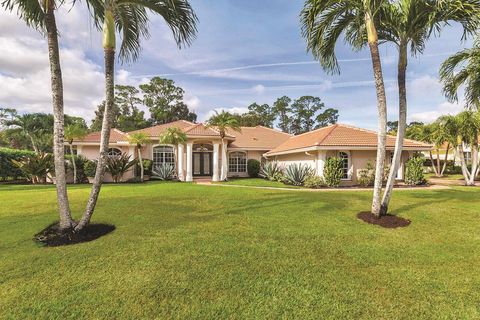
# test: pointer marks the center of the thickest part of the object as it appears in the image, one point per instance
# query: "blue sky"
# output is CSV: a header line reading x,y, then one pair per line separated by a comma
x,y
246,51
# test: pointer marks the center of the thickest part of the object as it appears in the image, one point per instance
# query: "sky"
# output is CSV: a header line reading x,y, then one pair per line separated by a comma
x,y
245,51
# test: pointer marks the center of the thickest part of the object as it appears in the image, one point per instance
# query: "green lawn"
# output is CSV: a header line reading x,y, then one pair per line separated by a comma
x,y
187,251
257,182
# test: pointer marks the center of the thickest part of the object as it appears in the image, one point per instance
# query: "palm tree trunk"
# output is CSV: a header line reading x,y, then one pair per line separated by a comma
x,y
139,151
474,164
73,164
382,114
438,161
463,164
66,221
445,160
433,163
34,146
402,125
105,137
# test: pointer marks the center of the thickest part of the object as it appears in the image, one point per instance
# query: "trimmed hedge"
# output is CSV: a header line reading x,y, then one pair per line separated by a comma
x,y
253,168
7,168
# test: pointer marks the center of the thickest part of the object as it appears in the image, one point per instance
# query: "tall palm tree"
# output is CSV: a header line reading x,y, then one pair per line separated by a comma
x,y
139,139
323,22
463,69
174,136
41,16
468,131
409,24
72,132
29,125
222,122
130,18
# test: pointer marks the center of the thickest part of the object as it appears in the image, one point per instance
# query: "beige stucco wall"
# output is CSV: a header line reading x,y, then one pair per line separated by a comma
x,y
358,160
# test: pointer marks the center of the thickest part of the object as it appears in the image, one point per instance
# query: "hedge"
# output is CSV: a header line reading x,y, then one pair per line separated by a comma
x,y
7,168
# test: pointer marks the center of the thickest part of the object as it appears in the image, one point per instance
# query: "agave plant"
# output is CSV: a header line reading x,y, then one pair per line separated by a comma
x,y
117,166
271,170
296,173
36,167
164,171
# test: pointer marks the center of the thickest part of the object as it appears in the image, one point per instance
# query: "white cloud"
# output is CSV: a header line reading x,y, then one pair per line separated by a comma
x,y
239,110
193,102
425,85
442,109
258,89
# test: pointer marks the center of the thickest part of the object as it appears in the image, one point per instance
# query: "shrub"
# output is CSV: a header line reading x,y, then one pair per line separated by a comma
x,y
296,174
147,168
271,170
89,168
366,176
314,182
414,172
7,168
80,163
36,167
333,172
253,168
164,171
117,166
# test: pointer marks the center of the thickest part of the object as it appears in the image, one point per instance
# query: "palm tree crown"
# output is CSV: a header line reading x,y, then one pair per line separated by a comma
x,y
222,122
173,136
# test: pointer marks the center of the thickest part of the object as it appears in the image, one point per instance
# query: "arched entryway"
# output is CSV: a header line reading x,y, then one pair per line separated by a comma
x,y
202,158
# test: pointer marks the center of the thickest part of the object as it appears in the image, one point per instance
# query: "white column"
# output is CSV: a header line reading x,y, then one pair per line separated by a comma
x,y
180,162
189,176
79,150
321,157
224,171
215,162
131,152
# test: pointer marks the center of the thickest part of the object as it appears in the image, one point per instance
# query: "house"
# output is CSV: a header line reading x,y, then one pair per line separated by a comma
x,y
356,147
202,155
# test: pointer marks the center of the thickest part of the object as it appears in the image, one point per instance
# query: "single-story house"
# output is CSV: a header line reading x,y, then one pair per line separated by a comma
x,y
202,154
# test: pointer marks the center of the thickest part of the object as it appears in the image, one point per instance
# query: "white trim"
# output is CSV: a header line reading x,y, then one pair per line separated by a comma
x,y
246,160
339,148
349,164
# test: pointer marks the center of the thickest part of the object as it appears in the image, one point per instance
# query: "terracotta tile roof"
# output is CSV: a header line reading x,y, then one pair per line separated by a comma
x,y
115,136
258,137
200,129
340,135
156,131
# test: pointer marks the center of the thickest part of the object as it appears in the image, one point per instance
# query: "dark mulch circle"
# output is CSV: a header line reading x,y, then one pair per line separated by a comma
x,y
388,221
52,236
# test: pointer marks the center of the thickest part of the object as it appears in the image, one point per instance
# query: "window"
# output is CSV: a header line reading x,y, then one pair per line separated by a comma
x,y
163,155
345,164
237,162
114,152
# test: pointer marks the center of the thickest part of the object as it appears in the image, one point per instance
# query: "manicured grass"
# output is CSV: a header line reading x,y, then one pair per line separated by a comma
x,y
257,182
187,251
445,176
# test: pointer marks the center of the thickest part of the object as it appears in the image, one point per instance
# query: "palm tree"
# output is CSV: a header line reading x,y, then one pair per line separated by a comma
x,y
468,130
139,139
72,132
410,23
131,19
174,136
463,69
323,21
222,122
29,125
41,16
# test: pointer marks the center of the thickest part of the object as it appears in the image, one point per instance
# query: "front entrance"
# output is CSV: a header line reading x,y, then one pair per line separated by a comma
x,y
202,163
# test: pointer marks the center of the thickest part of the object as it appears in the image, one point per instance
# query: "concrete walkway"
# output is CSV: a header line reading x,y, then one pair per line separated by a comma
x,y
209,183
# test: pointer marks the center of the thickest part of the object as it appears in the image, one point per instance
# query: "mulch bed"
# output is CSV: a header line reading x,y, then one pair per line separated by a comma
x,y
51,236
388,221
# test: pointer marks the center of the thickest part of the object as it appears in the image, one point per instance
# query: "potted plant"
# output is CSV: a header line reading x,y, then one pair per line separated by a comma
x,y
89,168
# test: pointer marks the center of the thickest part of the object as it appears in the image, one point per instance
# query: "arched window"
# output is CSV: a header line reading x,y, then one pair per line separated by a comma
x,y
163,155
114,152
237,162
345,164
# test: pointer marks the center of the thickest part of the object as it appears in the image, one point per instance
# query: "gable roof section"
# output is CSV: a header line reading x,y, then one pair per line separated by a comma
x,y
340,135
200,129
259,137
156,131
115,136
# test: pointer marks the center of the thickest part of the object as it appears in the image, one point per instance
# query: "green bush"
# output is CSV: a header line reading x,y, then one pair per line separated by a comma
x,y
7,168
296,173
366,176
117,166
333,172
414,172
36,167
253,168
164,171
89,168
314,182
80,163
271,170
147,168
